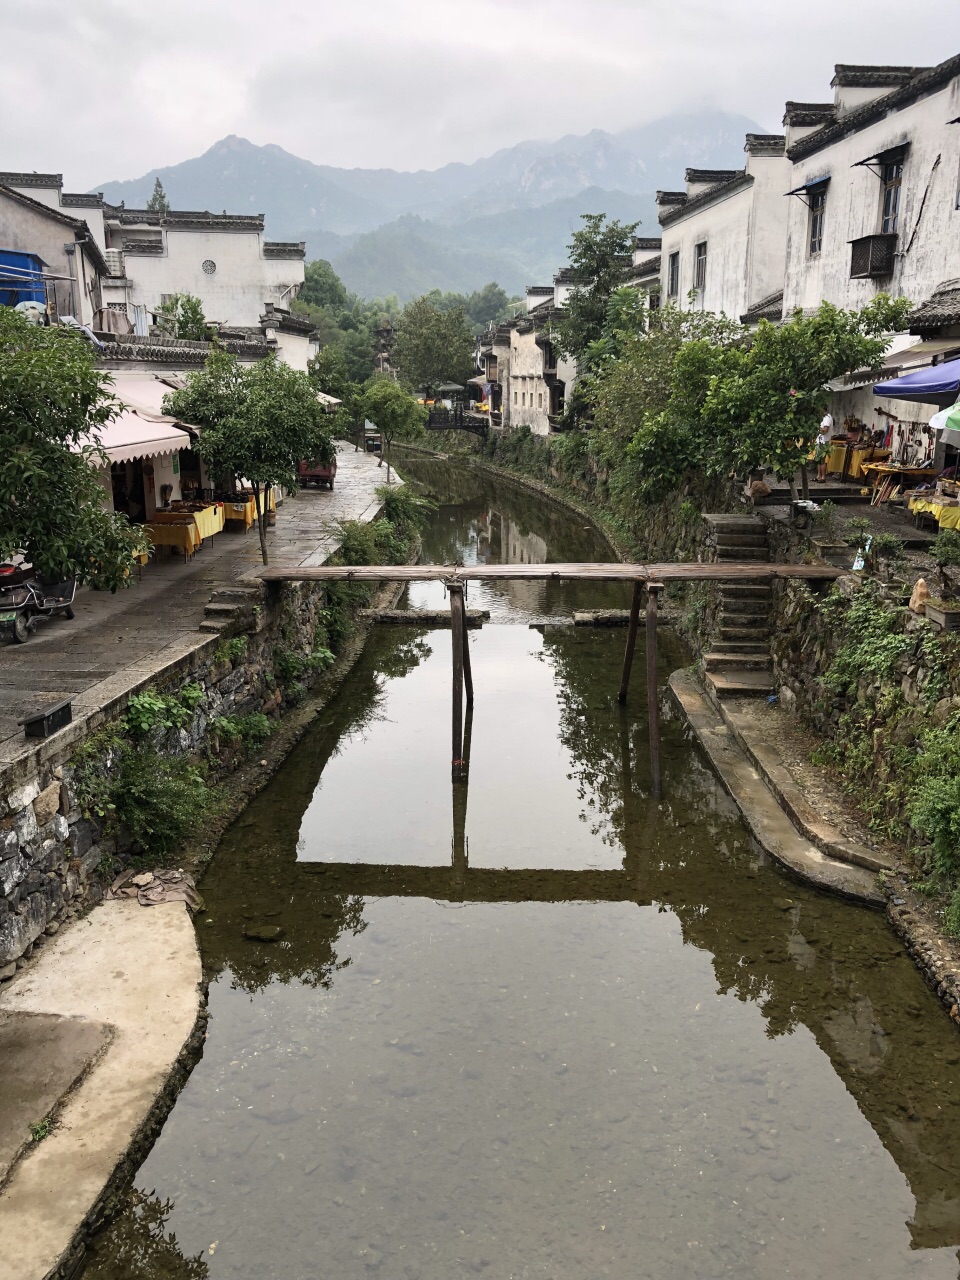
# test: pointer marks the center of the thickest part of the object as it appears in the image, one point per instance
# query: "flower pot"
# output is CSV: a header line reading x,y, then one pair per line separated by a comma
x,y
943,615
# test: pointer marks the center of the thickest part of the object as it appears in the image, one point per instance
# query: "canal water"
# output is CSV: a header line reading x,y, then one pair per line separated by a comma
x,y
538,1025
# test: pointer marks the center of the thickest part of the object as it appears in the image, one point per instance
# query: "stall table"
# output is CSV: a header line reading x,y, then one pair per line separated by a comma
x,y
947,515
244,509
847,459
180,534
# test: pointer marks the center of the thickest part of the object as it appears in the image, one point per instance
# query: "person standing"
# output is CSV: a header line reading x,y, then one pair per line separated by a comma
x,y
822,446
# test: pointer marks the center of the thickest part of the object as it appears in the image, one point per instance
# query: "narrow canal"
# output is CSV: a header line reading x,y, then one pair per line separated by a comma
x,y
539,1026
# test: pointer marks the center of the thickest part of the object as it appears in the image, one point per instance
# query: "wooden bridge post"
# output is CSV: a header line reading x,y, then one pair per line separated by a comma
x,y
460,792
458,633
653,703
631,641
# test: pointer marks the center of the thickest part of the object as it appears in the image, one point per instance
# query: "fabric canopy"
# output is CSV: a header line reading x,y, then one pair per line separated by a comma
x,y
132,434
937,385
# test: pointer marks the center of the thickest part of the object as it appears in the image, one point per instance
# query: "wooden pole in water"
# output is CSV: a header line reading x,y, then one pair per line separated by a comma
x,y
467,670
457,632
653,705
631,641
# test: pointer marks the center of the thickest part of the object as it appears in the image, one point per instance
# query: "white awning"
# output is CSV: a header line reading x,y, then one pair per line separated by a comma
x,y
902,358
133,434
328,402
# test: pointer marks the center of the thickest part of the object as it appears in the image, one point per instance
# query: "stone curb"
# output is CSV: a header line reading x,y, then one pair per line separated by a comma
x,y
766,760
767,822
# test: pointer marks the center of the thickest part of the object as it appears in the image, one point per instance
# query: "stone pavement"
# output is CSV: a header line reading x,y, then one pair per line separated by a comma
x,y
118,992
159,615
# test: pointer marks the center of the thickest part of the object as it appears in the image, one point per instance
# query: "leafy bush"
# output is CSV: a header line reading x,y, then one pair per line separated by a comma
x,y
251,729
151,710
157,798
290,665
945,548
403,508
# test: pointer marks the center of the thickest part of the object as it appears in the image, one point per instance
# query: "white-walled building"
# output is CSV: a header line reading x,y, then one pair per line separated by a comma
x,y
722,247
874,206
147,256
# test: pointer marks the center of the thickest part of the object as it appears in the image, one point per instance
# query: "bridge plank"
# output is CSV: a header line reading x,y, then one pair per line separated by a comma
x,y
724,571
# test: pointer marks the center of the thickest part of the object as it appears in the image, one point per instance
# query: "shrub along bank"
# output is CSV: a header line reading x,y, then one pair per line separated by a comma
x,y
139,779
882,687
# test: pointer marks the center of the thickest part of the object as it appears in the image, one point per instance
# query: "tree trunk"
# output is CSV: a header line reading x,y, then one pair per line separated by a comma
x,y
794,496
804,482
261,520
387,443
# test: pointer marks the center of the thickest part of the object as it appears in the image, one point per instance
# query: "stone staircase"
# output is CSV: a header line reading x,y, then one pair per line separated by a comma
x,y
738,663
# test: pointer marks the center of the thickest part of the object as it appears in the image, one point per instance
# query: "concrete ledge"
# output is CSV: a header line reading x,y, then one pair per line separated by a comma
x,y
766,759
768,823
135,970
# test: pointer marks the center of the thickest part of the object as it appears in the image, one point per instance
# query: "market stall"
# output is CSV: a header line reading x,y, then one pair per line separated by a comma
x,y
242,510
180,534
944,509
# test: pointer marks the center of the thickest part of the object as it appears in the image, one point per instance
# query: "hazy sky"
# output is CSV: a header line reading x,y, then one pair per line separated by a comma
x,y
106,89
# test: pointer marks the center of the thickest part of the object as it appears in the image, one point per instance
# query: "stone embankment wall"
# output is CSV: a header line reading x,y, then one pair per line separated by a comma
x,y
54,858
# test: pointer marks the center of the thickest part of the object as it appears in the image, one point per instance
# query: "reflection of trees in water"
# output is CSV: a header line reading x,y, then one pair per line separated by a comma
x,y
140,1245
801,957
255,878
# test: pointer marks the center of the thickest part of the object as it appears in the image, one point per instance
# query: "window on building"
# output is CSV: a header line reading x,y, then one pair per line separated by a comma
x,y
891,178
700,265
523,399
514,397
818,207
539,399
673,275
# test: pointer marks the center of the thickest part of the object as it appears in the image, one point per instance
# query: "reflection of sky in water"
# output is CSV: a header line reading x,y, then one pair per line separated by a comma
x,y
517,816
727,1076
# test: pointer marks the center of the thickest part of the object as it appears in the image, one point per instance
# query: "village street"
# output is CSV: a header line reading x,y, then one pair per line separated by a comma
x,y
117,641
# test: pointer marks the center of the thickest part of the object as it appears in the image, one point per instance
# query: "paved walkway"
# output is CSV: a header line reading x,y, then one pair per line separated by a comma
x,y
159,615
113,999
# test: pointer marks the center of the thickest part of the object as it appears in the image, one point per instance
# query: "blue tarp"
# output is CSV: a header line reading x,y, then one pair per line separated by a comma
x,y
939,384
18,271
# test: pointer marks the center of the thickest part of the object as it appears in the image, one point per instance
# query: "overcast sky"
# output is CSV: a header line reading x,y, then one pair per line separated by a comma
x,y
107,89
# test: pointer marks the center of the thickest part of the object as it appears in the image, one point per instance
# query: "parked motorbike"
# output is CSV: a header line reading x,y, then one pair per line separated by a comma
x,y
24,600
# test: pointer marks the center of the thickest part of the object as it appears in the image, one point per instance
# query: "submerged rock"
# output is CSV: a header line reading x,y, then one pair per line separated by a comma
x,y
263,932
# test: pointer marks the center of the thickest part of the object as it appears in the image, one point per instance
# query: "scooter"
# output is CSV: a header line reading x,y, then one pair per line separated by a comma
x,y
24,600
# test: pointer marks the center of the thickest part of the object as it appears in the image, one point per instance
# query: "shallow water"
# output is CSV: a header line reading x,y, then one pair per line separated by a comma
x,y
537,1025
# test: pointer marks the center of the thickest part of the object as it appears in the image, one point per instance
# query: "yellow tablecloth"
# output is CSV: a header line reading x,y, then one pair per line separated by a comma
x,y
245,510
946,517
185,535
859,452
209,520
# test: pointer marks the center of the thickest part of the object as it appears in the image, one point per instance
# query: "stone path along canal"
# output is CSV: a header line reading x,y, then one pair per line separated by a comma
x,y
590,1037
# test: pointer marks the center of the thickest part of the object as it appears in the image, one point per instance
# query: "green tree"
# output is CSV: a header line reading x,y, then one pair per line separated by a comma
x,y
393,411
599,253
258,424
767,396
432,346
181,316
158,202
53,404
322,287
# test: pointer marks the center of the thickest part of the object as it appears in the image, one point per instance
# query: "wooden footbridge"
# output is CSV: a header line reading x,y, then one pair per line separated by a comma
x,y
648,580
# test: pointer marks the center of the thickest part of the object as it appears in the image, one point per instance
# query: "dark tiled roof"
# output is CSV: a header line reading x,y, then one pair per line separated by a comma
x,y
567,275
709,175
645,271
80,201
10,178
738,181
646,242
941,308
143,248
671,197
185,219
130,348
808,113
769,308
765,144
925,82
539,289
287,323
284,249
846,74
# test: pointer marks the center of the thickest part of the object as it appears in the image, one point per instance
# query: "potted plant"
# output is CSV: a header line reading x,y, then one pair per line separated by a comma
x,y
944,611
886,553
826,539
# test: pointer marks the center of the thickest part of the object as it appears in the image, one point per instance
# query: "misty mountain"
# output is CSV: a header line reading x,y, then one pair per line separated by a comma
x,y
507,216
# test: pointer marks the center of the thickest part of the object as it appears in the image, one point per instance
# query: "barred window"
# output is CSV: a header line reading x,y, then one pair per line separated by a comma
x,y
700,265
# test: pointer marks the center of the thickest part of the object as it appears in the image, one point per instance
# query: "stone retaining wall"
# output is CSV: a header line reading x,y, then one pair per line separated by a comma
x,y
53,857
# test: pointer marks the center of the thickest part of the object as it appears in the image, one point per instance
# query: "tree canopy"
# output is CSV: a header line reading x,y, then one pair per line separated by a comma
x,y
258,423
53,404
181,316
322,287
599,253
158,202
433,346
480,308
393,411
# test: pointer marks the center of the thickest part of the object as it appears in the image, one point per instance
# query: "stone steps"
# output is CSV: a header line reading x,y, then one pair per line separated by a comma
x,y
735,524
745,633
749,607
740,645
742,540
739,683
714,661
743,553
744,591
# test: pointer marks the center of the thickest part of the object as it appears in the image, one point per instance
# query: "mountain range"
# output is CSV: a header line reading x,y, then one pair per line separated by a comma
x,y
507,217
